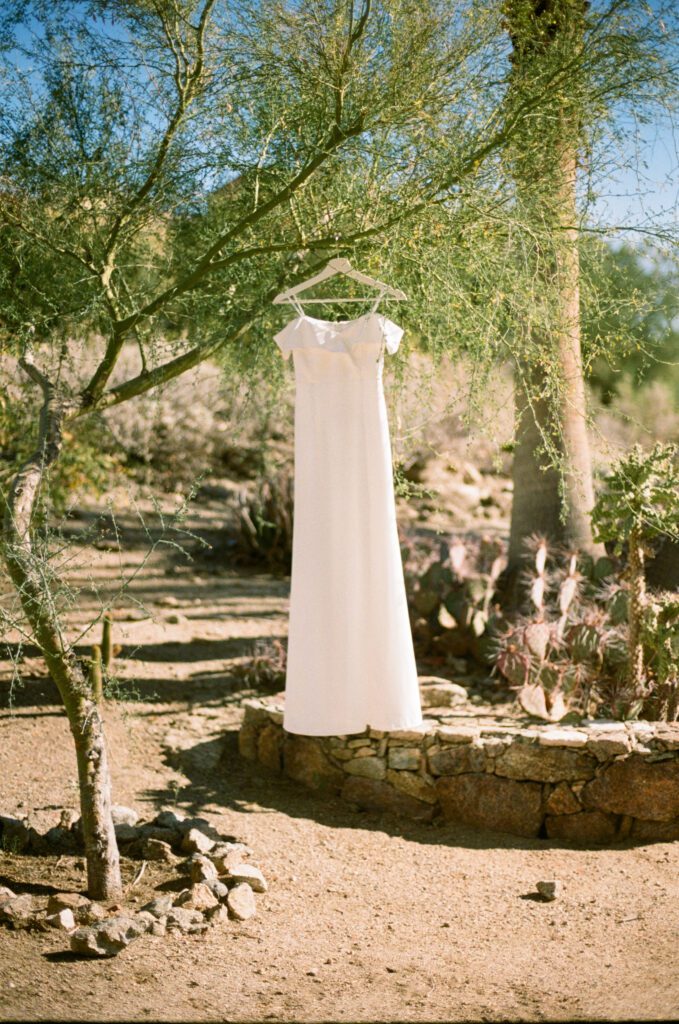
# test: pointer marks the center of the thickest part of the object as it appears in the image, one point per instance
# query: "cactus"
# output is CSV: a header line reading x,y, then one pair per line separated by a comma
x,y
106,642
639,503
566,651
96,674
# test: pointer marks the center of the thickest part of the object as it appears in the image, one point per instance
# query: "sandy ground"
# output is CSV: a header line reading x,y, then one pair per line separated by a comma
x,y
368,918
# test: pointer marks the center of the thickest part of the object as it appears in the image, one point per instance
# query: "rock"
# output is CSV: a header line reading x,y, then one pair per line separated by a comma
x,y
63,920
18,911
218,889
61,840
241,902
124,815
544,764
585,827
562,800
168,819
366,767
159,927
73,901
609,744
549,890
163,835
457,733
168,601
175,619
6,894
126,833
145,919
573,738
470,474
655,831
90,915
270,747
217,915
201,869
224,849
248,737
415,734
183,920
488,802
649,791
250,875
68,818
202,824
160,906
195,841
405,758
441,693
14,834
107,938
199,897
419,786
454,760
156,849
305,762
224,860
375,794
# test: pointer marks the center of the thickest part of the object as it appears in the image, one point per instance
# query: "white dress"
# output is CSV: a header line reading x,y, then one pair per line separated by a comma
x,y
350,663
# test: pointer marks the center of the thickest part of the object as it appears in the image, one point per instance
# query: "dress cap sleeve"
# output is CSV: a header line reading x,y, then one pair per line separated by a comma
x,y
288,338
391,333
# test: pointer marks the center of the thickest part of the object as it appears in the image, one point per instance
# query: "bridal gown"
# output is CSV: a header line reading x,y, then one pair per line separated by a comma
x,y
351,663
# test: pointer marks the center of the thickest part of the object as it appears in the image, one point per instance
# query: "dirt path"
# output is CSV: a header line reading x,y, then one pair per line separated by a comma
x,y
367,918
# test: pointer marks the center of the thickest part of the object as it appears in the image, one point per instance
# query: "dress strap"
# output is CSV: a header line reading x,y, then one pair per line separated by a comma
x,y
380,296
297,305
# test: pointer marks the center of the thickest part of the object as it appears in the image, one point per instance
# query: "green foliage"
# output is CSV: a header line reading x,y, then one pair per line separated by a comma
x,y
640,496
630,311
85,467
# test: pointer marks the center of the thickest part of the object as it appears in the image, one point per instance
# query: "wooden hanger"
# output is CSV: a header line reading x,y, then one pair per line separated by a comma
x,y
339,266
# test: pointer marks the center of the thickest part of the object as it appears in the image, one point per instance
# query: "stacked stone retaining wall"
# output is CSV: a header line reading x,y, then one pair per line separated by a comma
x,y
594,784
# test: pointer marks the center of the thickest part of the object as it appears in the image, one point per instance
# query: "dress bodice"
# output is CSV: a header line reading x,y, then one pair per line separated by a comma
x,y
338,350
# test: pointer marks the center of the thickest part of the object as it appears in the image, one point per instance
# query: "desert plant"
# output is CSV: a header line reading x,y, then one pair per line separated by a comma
x,y
265,523
265,668
450,589
640,503
568,651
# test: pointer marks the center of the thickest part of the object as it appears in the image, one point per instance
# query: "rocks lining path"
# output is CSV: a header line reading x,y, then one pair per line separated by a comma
x,y
220,882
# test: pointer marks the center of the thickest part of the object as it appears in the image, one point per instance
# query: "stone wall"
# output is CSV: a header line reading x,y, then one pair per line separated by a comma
x,y
597,783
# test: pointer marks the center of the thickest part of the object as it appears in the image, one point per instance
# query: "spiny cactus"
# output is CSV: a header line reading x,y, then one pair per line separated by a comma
x,y
639,503
106,642
556,656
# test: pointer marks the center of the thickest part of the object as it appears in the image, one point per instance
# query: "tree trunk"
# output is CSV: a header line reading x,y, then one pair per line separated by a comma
x,y
554,501
30,577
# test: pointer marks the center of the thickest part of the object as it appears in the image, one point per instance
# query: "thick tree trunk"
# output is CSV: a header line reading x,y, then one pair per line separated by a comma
x,y
557,504
554,501
27,572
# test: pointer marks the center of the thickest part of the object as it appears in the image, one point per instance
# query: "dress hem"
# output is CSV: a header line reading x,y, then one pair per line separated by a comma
x,y
396,727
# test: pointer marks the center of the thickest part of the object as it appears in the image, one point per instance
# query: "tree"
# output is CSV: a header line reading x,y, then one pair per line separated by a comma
x,y
552,473
167,165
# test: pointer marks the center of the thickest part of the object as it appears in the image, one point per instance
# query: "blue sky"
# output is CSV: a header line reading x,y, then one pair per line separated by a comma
x,y
648,189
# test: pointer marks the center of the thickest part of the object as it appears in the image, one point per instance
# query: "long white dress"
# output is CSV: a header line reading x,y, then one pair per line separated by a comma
x,y
351,663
